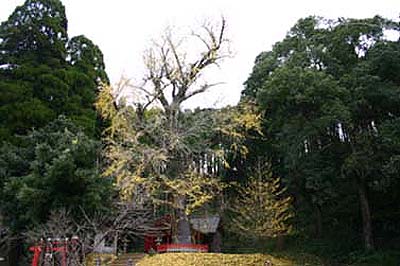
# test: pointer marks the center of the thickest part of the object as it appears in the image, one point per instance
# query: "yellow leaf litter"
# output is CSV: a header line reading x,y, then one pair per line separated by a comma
x,y
213,259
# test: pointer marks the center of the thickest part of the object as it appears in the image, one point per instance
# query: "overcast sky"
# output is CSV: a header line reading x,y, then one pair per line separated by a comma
x,y
123,29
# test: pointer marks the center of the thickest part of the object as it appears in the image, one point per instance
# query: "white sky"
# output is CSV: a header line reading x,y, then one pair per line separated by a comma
x,y
123,29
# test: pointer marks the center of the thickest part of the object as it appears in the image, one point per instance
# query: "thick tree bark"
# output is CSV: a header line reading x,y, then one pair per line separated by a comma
x,y
366,216
183,234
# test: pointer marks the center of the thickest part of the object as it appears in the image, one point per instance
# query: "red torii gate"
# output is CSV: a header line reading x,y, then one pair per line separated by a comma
x,y
47,249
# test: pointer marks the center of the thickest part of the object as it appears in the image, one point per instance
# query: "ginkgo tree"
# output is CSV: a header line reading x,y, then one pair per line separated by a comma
x,y
261,207
153,147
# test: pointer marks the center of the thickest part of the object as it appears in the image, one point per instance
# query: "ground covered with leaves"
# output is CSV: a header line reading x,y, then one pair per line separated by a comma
x,y
218,259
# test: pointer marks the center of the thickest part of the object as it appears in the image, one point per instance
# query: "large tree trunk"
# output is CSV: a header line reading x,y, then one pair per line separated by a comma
x,y
183,235
366,216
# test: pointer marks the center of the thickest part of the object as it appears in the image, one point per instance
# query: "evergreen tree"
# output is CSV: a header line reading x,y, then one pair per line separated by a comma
x,y
36,32
43,73
57,169
328,93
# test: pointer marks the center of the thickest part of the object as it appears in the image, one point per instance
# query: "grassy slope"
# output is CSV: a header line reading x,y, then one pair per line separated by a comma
x,y
216,259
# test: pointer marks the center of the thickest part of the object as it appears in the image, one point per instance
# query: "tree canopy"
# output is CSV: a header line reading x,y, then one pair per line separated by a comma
x,y
44,73
328,95
155,146
312,148
56,169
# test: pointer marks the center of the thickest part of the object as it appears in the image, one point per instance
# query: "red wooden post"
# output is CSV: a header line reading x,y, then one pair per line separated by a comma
x,y
36,255
60,246
64,263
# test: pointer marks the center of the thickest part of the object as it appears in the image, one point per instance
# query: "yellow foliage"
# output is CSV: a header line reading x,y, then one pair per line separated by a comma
x,y
236,124
142,147
261,209
105,102
218,259
105,259
197,189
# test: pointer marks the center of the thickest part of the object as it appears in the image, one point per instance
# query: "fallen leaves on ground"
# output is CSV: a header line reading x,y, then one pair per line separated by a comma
x,y
214,259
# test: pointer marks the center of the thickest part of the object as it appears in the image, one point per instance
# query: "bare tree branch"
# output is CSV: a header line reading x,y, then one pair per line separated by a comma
x,y
202,89
161,149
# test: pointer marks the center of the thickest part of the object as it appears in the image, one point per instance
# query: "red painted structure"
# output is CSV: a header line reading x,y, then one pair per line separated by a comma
x,y
36,255
161,234
161,240
181,248
50,248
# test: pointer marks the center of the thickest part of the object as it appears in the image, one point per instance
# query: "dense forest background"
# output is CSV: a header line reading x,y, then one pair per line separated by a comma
x,y
317,131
